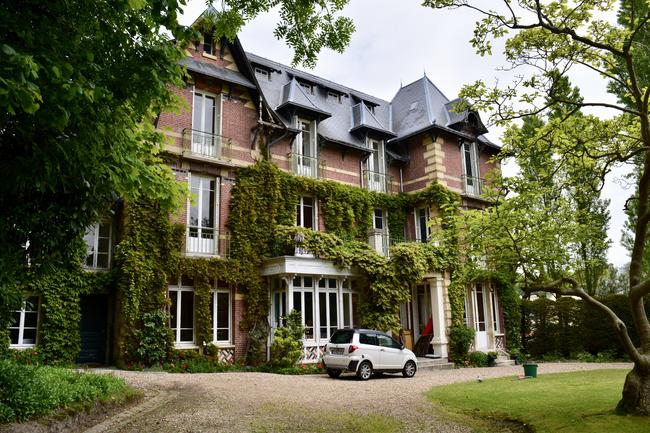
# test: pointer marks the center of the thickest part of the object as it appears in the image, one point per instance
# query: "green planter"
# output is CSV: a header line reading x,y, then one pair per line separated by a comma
x,y
530,370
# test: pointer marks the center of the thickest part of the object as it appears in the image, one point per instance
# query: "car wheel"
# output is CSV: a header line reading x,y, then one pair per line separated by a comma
x,y
333,373
364,371
409,369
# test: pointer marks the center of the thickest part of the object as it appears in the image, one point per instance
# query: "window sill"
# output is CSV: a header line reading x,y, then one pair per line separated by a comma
x,y
186,346
209,56
22,346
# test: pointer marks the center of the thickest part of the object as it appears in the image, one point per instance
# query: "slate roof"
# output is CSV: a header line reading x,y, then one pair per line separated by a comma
x,y
217,72
415,108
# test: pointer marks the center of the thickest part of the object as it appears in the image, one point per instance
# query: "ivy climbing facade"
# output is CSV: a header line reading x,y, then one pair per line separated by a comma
x,y
303,194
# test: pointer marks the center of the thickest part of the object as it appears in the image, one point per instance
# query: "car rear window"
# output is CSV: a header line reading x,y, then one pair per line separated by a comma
x,y
342,337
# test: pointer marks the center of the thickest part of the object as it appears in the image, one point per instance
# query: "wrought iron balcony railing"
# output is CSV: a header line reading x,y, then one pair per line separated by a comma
x,y
473,185
302,165
376,181
207,145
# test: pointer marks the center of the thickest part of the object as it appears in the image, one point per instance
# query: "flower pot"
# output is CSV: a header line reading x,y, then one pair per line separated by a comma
x,y
530,370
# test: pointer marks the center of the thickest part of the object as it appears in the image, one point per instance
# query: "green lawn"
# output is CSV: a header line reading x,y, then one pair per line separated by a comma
x,y
567,402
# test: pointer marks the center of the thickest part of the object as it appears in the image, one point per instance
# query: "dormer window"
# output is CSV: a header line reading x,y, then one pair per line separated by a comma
x,y
208,44
307,87
263,73
334,96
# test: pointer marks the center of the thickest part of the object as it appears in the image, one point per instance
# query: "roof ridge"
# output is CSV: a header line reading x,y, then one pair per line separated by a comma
x,y
316,78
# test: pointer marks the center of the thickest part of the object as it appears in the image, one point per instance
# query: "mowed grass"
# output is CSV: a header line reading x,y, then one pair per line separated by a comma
x,y
286,418
565,402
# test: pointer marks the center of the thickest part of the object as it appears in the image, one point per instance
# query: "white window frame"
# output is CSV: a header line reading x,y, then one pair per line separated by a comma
x,y
307,87
494,304
264,72
214,250
207,143
215,307
300,213
93,232
418,233
328,291
306,153
302,289
211,44
180,288
471,173
21,324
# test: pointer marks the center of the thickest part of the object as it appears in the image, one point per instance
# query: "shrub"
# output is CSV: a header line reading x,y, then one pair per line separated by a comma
x,y
287,341
461,338
27,391
478,359
154,338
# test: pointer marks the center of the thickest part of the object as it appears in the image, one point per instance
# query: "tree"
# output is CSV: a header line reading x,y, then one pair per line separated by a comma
x,y
545,41
80,84
306,26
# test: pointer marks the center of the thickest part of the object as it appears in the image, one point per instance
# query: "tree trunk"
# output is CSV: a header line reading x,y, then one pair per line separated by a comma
x,y
636,392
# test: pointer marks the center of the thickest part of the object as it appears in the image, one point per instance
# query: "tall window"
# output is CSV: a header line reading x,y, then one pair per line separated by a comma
x,y
22,332
306,213
208,44
480,308
379,220
376,173
98,246
303,301
305,160
202,233
328,301
350,303
181,313
469,156
495,311
220,301
206,124
422,229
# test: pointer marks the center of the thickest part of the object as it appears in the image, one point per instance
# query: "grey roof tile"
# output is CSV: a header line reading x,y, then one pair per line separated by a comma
x,y
217,72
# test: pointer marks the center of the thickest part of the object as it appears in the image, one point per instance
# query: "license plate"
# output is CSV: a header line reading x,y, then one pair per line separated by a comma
x,y
337,351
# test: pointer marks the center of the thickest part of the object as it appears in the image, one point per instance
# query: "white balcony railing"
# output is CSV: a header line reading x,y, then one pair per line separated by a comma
x,y
302,165
205,144
376,181
208,242
472,185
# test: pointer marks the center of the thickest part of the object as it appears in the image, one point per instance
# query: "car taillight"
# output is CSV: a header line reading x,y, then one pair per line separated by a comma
x,y
352,348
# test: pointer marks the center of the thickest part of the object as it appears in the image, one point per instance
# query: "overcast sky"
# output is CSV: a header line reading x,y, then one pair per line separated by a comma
x,y
397,41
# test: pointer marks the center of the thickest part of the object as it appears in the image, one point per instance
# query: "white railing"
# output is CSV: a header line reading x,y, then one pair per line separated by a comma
x,y
302,165
206,144
472,185
376,181
209,242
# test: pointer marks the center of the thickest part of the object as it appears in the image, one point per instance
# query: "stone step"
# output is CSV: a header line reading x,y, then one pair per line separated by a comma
x,y
434,364
504,362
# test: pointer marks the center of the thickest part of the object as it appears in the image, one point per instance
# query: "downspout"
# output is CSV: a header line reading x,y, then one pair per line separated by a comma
x,y
401,181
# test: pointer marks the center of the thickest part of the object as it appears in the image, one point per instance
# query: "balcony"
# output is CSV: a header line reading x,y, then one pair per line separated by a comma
x,y
472,185
379,241
206,146
207,242
302,165
376,181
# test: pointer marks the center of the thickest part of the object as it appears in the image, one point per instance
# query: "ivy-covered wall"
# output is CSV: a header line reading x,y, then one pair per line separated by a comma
x,y
261,220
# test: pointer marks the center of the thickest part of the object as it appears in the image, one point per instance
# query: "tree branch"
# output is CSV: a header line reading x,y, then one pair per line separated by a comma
x,y
559,288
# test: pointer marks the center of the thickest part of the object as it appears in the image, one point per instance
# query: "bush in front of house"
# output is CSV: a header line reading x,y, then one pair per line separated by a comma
x,y
27,391
478,359
287,341
461,338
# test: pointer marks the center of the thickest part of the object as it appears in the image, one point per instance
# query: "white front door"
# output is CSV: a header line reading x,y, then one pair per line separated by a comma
x,y
480,314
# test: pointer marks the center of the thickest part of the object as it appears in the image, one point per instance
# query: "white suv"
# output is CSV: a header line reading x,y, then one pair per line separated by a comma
x,y
365,352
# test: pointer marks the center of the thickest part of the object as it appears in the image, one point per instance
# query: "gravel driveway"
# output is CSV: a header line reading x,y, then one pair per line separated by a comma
x,y
260,402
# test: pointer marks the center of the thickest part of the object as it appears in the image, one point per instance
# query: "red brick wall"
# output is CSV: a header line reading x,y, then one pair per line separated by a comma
x,y
334,157
415,168
452,161
215,59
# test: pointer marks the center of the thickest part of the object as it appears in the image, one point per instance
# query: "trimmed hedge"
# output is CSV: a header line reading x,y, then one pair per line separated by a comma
x,y
569,326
